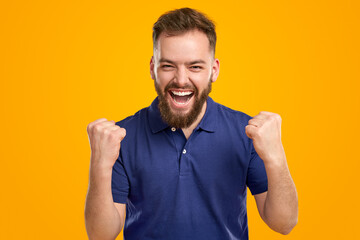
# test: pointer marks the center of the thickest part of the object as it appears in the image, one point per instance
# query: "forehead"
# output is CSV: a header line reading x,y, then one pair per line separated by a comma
x,y
187,45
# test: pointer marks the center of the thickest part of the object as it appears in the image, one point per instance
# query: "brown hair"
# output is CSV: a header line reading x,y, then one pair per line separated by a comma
x,y
182,20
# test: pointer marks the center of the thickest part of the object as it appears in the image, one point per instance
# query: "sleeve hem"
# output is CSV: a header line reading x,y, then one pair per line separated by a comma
x,y
260,188
120,198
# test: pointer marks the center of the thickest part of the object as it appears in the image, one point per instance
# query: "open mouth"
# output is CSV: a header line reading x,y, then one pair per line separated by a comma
x,y
181,97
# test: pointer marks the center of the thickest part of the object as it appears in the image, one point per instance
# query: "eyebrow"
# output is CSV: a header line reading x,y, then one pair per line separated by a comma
x,y
188,63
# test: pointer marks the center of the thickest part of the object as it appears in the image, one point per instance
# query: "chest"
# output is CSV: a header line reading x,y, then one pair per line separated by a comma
x,y
163,159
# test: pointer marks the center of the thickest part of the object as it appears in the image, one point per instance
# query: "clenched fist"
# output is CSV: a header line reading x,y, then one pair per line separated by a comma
x,y
105,138
265,131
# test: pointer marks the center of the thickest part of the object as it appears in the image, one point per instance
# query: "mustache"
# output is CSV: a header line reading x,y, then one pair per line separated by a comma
x,y
175,85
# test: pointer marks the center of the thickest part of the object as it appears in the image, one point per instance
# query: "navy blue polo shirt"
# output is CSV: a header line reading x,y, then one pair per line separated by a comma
x,y
178,188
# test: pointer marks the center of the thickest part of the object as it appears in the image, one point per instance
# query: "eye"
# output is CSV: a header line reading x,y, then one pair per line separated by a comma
x,y
196,67
166,66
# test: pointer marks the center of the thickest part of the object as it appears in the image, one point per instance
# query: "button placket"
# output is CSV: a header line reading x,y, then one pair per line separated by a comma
x,y
185,160
185,157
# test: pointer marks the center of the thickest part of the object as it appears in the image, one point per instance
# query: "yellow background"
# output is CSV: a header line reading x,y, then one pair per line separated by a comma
x,y
66,63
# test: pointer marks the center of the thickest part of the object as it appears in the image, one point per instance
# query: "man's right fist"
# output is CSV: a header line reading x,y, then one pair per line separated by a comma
x,y
105,137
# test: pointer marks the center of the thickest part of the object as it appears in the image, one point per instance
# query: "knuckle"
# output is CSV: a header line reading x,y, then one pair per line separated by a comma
x,y
117,128
122,133
97,128
106,131
275,117
257,133
89,127
113,135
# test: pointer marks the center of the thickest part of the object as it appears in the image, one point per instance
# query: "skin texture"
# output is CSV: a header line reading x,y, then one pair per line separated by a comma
x,y
104,219
186,62
278,207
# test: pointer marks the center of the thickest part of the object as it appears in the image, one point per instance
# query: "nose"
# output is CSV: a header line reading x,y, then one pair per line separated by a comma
x,y
181,77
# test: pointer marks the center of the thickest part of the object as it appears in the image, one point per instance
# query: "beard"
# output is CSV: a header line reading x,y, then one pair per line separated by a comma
x,y
178,119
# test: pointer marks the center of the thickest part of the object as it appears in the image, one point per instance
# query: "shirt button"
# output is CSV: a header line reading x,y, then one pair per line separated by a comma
x,y
173,129
184,151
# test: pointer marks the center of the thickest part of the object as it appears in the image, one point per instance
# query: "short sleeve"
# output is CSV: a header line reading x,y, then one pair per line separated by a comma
x,y
256,175
119,182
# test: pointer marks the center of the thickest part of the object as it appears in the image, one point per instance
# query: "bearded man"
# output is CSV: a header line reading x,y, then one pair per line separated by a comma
x,y
183,169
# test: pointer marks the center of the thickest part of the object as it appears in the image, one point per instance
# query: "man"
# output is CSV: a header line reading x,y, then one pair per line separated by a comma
x,y
182,169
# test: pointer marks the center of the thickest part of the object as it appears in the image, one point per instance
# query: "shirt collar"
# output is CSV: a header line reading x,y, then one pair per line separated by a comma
x,y
157,124
207,123
209,120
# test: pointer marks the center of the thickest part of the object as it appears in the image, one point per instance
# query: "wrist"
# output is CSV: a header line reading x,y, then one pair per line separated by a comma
x,y
101,164
275,157
100,181
100,173
277,161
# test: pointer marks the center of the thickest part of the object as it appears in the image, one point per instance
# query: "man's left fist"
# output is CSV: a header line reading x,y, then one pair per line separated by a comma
x,y
265,131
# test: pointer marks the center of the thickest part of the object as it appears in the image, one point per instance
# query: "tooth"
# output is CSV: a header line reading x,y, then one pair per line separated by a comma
x,y
181,93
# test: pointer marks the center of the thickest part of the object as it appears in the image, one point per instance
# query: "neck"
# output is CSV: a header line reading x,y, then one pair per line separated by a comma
x,y
187,131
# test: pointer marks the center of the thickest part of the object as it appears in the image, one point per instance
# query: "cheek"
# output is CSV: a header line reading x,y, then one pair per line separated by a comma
x,y
164,77
162,80
201,81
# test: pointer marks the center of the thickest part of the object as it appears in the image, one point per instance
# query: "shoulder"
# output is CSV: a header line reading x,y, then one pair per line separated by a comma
x,y
235,116
132,121
136,127
231,127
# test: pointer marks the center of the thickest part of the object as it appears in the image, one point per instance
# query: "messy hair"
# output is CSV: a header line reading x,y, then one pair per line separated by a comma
x,y
182,20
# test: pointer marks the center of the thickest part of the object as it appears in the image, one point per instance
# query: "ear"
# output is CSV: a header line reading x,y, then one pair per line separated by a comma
x,y
215,69
152,66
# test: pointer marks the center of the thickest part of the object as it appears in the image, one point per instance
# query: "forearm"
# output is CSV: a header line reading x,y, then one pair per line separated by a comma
x,y
281,204
102,219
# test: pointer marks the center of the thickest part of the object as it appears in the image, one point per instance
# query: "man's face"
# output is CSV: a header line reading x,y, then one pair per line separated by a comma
x,y
183,69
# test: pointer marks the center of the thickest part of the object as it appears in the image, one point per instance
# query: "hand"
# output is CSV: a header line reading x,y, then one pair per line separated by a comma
x,y
265,131
105,138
